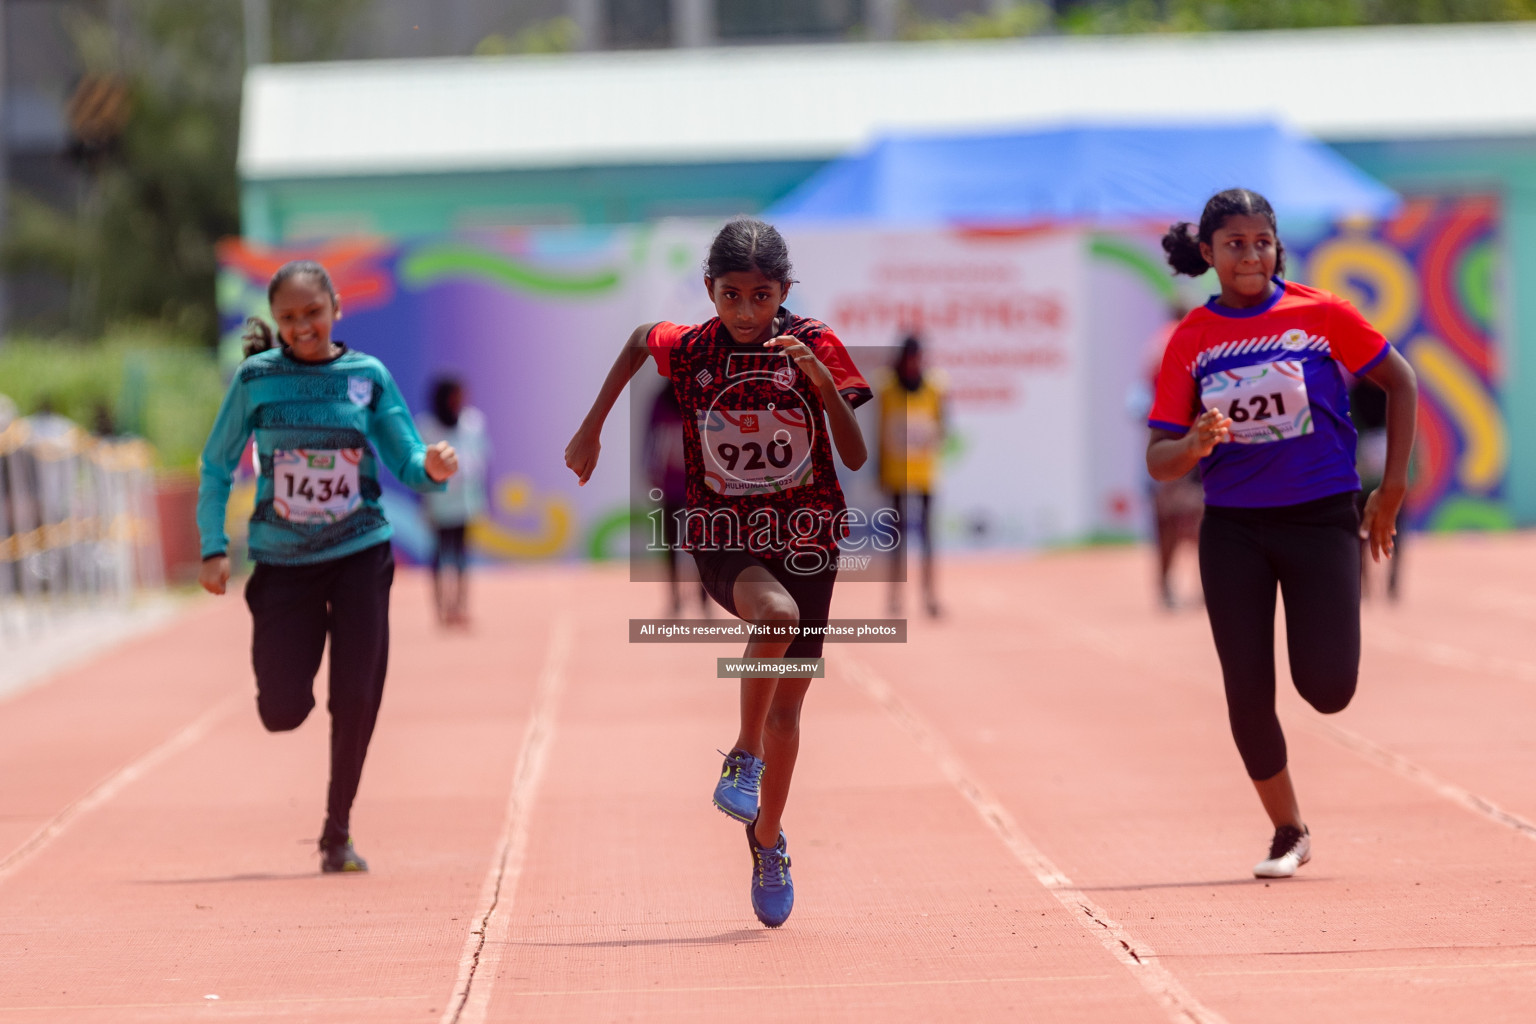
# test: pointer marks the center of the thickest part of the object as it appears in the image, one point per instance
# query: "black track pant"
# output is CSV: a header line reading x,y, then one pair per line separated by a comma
x,y
1312,551
450,550
293,608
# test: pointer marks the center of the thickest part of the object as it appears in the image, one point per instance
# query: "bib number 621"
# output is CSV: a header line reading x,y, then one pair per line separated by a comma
x,y
1256,408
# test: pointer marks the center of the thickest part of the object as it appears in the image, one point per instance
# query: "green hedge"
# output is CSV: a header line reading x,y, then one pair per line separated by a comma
x,y
162,389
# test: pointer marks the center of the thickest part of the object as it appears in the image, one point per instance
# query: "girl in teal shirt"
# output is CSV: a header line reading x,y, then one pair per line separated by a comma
x,y
324,417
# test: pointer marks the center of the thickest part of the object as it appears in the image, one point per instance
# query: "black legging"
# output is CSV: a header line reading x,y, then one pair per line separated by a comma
x,y
293,607
1313,551
450,549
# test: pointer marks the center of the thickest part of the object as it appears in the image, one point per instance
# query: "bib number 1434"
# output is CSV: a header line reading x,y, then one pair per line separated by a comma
x,y
316,486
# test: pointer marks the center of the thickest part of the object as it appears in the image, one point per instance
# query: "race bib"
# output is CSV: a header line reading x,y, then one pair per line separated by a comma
x,y
316,486
1267,402
755,451
922,431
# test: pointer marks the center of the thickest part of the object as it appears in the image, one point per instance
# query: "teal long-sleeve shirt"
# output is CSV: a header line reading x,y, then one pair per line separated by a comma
x,y
321,430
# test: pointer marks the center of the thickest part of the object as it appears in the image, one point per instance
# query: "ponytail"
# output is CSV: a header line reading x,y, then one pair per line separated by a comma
x,y
1183,249
258,336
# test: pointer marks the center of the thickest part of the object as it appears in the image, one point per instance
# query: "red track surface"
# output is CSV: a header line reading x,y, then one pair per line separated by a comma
x,y
1032,811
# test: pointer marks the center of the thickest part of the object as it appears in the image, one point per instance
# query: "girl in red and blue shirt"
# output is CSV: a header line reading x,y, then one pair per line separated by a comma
x,y
1251,391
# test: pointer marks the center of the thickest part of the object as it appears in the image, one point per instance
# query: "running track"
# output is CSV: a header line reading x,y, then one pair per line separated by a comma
x,y
1032,811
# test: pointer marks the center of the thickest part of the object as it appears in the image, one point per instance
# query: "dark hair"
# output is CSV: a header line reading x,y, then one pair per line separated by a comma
x,y
1183,248
911,346
443,389
748,244
259,335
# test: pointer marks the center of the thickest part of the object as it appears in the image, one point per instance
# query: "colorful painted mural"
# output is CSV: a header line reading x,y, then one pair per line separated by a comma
x,y
1428,279
531,319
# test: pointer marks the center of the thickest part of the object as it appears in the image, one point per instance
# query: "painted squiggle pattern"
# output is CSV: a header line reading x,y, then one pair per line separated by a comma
x,y
1426,279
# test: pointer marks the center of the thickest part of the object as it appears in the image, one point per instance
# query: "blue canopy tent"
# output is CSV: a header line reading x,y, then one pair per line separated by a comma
x,y
1094,173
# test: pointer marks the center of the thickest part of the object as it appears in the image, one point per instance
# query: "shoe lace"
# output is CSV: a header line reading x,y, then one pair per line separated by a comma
x,y
744,771
772,867
751,775
1286,838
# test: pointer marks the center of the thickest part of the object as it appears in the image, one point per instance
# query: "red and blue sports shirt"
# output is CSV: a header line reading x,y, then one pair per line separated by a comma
x,y
755,434
1274,369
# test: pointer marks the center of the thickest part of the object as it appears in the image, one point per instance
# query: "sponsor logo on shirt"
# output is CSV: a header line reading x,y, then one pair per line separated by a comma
x,y
360,391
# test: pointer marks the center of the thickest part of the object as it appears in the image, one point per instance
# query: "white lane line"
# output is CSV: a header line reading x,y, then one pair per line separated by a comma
x,y
114,784
1450,656
1400,765
1136,955
1393,642
1506,601
487,937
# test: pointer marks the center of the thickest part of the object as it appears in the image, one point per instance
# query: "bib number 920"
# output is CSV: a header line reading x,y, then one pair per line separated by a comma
x,y
777,454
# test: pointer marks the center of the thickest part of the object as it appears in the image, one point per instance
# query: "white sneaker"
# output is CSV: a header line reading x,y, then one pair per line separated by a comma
x,y
1291,848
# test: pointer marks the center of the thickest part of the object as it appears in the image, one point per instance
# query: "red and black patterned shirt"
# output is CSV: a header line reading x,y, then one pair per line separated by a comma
x,y
755,437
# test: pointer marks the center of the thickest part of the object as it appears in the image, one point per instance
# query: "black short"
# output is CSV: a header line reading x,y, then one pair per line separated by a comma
x,y
811,593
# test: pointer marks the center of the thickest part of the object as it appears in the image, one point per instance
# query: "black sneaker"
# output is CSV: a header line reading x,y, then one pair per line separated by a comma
x,y
338,858
1290,849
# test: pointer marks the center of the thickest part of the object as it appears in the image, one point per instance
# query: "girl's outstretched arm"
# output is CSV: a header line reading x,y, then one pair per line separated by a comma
x,y
581,454
221,457
1379,521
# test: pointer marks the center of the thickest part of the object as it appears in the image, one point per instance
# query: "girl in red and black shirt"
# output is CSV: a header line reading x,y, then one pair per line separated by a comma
x,y
765,396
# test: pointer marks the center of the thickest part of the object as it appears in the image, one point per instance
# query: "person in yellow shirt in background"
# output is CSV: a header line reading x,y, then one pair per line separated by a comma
x,y
912,431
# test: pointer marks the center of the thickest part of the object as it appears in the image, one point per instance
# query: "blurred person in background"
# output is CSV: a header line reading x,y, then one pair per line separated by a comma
x,y
1177,505
55,439
912,431
47,424
449,512
324,417
1368,409
1252,391
668,472
103,424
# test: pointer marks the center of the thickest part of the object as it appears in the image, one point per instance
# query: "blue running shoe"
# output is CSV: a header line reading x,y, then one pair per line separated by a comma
x,y
736,792
773,894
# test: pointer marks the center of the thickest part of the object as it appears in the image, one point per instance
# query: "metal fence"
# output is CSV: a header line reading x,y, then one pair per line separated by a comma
x,y
78,520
